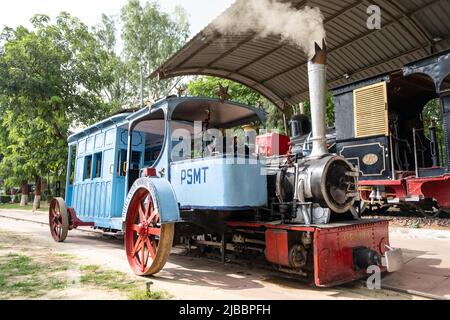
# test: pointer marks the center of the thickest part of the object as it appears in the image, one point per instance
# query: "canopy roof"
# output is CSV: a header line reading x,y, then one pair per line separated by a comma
x,y
411,30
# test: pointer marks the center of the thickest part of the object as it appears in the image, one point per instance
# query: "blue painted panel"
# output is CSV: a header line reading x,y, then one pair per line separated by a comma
x,y
90,144
217,182
70,169
79,165
109,140
91,195
99,140
69,196
82,147
119,191
100,199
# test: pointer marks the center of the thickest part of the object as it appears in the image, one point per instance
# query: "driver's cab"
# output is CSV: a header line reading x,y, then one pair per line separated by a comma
x,y
200,146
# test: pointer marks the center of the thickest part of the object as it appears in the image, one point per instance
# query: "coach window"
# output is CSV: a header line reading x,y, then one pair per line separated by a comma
x,y
87,167
98,165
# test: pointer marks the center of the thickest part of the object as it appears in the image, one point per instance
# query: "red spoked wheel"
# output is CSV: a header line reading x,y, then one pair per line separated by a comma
x,y
147,242
58,219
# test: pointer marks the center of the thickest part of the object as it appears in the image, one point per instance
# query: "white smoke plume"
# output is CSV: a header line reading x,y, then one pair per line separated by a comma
x,y
270,17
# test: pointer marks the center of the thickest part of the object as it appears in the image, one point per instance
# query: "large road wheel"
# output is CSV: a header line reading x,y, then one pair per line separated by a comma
x,y
58,219
147,242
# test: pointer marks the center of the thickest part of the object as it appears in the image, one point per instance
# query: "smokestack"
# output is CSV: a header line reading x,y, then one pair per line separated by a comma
x,y
317,73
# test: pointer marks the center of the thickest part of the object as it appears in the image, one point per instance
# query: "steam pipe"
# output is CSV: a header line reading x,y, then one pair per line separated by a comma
x,y
317,73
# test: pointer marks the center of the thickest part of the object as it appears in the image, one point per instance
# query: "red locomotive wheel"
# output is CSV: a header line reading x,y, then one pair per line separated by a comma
x,y
58,219
147,242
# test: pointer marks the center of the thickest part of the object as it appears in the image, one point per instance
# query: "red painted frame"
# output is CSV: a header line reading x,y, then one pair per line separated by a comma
x,y
333,251
76,222
332,246
437,188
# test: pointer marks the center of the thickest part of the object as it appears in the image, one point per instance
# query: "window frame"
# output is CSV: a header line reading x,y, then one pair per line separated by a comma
x,y
88,159
97,165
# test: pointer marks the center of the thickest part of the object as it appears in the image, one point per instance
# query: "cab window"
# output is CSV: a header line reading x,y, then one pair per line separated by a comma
x,y
135,160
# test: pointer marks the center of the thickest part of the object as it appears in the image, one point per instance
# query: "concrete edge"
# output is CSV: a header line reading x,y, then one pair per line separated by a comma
x,y
21,210
43,223
426,234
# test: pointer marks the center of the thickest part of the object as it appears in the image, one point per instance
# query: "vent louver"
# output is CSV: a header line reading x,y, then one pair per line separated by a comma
x,y
371,116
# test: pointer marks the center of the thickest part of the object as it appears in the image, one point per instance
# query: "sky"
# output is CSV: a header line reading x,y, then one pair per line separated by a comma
x,y
18,12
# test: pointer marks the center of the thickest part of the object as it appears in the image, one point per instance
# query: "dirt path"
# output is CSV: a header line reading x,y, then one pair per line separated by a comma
x,y
183,277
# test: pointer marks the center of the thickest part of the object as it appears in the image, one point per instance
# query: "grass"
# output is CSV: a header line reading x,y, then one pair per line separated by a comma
x,y
17,265
20,276
415,225
65,255
17,206
116,280
31,271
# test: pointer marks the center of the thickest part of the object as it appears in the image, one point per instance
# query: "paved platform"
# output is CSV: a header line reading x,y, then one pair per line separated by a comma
x,y
426,256
426,267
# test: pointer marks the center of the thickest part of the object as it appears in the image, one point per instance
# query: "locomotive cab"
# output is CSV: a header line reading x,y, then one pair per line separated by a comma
x,y
201,155
399,136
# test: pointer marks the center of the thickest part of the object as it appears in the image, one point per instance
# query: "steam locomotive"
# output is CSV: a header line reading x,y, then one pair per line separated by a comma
x,y
134,173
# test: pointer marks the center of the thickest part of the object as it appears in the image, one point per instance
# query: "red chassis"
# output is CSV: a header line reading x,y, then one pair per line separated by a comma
x,y
333,246
76,222
410,187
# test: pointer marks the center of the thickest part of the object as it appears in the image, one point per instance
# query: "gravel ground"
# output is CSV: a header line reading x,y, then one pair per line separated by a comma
x,y
411,219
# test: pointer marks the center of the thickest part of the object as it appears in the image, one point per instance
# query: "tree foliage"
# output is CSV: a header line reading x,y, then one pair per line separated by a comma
x,y
150,37
432,114
330,115
51,78
61,75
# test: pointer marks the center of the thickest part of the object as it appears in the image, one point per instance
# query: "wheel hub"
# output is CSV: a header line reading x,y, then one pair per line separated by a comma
x,y
144,229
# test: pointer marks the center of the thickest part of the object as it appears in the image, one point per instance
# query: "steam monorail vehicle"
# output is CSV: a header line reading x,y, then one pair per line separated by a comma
x,y
127,173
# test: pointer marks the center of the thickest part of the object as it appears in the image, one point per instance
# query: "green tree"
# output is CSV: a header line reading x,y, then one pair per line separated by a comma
x,y
432,113
116,90
150,37
51,79
330,115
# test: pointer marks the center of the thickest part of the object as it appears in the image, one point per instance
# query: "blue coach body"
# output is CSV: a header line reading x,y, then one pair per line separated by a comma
x,y
105,160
